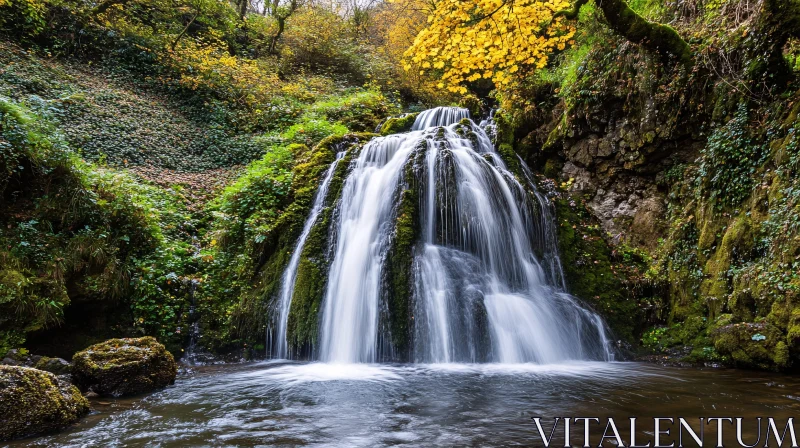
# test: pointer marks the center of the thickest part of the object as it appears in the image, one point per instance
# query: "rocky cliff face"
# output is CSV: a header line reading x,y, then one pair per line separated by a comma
x,y
696,174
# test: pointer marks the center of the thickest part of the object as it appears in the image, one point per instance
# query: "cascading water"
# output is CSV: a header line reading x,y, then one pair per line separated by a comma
x,y
487,282
439,116
290,274
352,300
486,221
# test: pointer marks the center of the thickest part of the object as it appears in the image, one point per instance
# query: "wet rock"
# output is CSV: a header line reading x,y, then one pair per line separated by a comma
x,y
34,402
582,180
395,125
56,366
120,367
751,344
648,224
584,151
17,357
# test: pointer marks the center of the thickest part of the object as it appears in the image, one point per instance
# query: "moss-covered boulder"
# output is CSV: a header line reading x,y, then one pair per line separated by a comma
x,y
57,366
751,344
34,402
397,125
121,367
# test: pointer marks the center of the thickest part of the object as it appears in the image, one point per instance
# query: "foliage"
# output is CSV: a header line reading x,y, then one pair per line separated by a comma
x,y
730,159
254,199
489,39
394,28
359,110
312,131
193,111
247,216
28,15
76,232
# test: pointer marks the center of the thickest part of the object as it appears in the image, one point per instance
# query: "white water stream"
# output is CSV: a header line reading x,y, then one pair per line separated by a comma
x,y
481,292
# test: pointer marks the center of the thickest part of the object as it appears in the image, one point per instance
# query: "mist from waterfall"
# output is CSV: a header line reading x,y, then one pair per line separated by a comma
x,y
488,285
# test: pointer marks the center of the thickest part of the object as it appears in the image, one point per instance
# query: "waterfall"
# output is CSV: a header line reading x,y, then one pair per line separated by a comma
x,y
487,281
290,274
352,300
439,116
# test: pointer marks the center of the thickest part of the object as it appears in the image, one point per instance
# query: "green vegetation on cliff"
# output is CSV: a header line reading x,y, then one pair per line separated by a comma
x,y
119,135
683,181
80,235
159,157
258,221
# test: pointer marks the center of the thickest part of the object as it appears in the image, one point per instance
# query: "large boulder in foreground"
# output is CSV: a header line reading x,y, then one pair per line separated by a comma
x,y
119,367
35,402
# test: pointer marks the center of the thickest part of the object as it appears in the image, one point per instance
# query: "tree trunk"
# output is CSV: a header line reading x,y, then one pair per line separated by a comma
x,y
273,44
624,21
660,38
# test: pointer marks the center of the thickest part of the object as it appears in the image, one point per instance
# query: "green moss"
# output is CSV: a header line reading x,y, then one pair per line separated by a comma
x,y
691,332
552,168
511,160
793,333
473,104
400,260
56,366
36,402
397,125
360,110
716,287
780,355
83,239
752,345
654,36
120,367
594,273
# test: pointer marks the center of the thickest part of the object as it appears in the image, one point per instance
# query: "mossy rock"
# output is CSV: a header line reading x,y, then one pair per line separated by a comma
x,y
596,273
120,367
35,402
304,313
756,345
57,366
397,125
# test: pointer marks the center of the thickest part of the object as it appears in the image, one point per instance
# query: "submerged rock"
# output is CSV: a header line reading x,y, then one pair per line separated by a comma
x,y
119,367
33,402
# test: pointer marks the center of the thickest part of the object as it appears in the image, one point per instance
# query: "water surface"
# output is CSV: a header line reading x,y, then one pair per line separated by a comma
x,y
316,404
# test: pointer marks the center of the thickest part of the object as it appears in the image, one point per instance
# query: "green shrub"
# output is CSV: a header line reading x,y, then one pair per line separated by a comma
x,y
311,131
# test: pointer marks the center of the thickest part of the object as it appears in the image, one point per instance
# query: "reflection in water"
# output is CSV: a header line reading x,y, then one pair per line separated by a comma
x,y
319,404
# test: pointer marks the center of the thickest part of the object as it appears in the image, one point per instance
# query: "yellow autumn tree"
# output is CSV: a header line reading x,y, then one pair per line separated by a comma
x,y
393,28
493,39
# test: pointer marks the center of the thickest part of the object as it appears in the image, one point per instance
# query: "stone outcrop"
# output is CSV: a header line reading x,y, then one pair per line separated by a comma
x,y
34,402
121,367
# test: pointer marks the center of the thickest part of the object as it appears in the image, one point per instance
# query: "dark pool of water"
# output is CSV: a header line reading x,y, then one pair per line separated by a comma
x,y
294,404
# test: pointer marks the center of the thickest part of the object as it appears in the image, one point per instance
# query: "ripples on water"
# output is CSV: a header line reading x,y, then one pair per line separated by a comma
x,y
316,404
